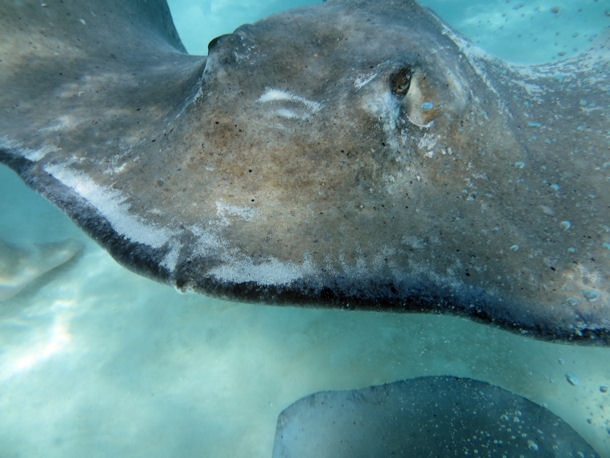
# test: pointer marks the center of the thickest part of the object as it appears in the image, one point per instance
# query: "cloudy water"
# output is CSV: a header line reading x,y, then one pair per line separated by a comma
x,y
98,361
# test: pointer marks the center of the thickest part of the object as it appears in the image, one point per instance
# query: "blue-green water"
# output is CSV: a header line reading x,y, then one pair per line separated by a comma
x,y
97,361
532,31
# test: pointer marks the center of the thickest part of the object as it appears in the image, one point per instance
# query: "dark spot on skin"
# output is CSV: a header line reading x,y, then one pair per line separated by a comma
x,y
400,81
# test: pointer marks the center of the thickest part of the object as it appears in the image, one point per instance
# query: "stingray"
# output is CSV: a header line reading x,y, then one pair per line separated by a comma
x,y
426,416
21,266
354,154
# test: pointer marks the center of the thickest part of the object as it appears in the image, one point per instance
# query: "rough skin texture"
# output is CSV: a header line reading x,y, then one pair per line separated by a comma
x,y
354,154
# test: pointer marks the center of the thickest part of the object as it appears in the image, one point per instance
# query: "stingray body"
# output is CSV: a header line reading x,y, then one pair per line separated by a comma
x,y
355,154
426,416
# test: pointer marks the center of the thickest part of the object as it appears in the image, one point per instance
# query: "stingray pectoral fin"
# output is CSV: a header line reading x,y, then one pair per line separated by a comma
x,y
83,85
427,416
103,75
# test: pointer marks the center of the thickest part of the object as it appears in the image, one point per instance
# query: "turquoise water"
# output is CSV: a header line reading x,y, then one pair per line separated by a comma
x,y
97,361
532,31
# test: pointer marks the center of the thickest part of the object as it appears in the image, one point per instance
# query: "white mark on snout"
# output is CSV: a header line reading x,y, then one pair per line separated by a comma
x,y
276,95
284,113
363,80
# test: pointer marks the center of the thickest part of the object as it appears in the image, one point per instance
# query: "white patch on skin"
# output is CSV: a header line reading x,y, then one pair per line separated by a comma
x,y
171,258
116,170
382,105
284,113
33,155
360,268
363,80
111,205
427,142
36,154
224,211
207,241
275,95
270,272
62,123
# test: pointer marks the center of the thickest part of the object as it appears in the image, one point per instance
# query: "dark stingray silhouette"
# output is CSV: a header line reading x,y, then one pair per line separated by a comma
x,y
357,154
424,417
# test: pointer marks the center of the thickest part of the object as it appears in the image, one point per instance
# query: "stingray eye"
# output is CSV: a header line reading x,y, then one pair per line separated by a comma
x,y
400,81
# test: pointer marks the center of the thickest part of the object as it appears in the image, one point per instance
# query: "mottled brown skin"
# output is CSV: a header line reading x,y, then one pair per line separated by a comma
x,y
354,154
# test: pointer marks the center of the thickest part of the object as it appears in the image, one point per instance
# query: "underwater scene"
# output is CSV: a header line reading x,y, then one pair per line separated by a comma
x,y
97,360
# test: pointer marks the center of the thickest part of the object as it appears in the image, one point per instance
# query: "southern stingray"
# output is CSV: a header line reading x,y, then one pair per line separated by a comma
x,y
357,154
426,416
